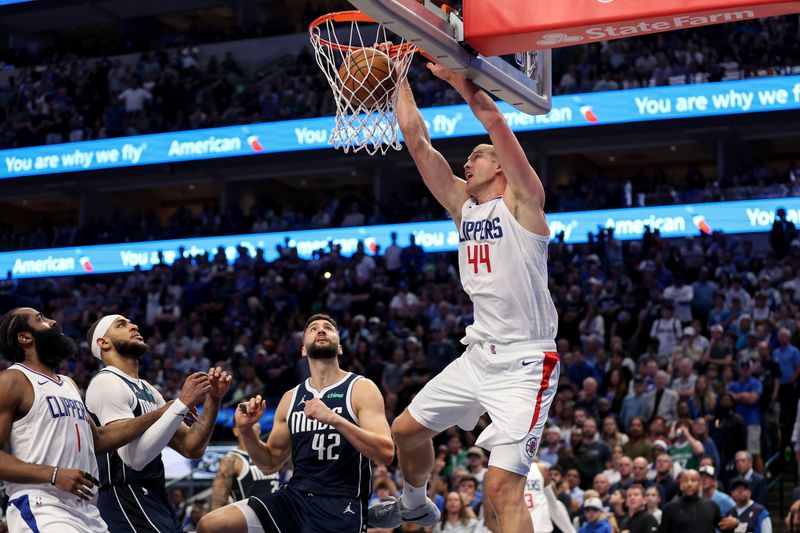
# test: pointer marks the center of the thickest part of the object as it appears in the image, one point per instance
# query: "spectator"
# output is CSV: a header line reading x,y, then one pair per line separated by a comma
x,y
592,455
662,401
700,432
729,430
704,400
681,296
782,233
638,445
551,446
787,356
744,470
135,97
746,392
685,449
638,520
470,495
653,500
603,489
476,463
753,516
611,433
573,477
663,477
634,405
456,517
684,383
667,330
689,512
593,509
708,485
693,344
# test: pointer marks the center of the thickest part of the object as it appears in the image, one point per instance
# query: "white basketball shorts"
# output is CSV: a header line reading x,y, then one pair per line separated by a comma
x,y
514,383
44,511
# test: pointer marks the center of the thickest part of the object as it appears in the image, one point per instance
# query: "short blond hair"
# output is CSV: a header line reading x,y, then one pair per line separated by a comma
x,y
489,148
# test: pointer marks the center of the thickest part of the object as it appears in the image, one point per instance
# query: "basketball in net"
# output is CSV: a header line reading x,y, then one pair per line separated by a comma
x,y
366,77
364,69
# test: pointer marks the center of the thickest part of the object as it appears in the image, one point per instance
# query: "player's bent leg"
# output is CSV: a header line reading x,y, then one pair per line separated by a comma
x,y
415,455
232,518
505,490
414,448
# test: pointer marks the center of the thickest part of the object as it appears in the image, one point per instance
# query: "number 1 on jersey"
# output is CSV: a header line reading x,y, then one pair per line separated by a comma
x,y
478,254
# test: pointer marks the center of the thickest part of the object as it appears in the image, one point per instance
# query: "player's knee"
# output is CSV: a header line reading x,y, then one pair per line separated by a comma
x,y
503,488
205,525
211,523
406,431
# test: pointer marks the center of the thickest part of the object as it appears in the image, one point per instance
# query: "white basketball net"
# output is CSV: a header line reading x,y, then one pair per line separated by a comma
x,y
365,118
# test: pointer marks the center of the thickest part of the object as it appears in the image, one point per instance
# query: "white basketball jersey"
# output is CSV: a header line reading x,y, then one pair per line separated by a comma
x,y
56,431
503,269
537,502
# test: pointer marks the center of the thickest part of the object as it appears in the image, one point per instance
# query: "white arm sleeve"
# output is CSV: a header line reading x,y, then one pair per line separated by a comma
x,y
558,513
138,453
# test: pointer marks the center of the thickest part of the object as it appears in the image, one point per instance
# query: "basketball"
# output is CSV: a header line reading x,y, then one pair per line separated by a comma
x,y
366,77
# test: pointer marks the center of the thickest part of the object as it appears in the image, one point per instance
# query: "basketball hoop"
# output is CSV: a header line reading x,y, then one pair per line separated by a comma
x,y
365,101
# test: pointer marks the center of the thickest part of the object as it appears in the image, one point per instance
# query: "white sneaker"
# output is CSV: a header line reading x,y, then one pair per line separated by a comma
x,y
391,513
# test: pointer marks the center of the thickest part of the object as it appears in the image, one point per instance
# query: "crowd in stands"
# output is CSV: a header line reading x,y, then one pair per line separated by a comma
x,y
349,207
675,355
356,207
74,97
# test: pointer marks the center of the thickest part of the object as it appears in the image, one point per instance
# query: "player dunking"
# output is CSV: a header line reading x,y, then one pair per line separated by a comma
x,y
510,366
331,425
47,440
132,494
238,476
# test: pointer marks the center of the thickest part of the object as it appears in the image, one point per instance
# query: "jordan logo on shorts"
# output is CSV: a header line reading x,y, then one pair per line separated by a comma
x,y
348,509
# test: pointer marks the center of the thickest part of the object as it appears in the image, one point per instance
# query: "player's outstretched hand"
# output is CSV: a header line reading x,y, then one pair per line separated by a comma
x,y
195,389
249,412
316,409
77,482
220,382
444,73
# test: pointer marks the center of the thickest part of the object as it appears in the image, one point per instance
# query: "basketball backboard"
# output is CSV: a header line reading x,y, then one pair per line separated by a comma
x,y
524,83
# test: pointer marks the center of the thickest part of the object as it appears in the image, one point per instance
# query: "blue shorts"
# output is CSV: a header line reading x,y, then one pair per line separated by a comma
x,y
136,509
290,511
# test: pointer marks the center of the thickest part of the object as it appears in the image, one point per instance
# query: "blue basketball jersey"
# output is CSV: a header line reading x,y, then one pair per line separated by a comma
x,y
325,463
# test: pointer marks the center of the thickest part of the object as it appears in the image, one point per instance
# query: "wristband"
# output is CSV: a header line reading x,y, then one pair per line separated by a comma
x,y
53,477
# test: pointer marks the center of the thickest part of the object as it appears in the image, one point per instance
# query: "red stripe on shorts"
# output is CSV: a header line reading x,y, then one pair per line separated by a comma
x,y
550,361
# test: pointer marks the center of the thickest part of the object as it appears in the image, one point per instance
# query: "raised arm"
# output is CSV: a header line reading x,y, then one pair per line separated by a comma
x,y
449,190
524,185
371,436
269,456
191,442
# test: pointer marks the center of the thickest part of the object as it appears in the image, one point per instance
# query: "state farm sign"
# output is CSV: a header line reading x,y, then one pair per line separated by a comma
x,y
497,28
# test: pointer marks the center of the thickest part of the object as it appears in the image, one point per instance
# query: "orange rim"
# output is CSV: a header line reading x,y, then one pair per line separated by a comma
x,y
353,16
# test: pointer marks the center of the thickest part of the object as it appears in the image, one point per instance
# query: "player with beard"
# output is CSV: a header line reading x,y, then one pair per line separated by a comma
x,y
331,426
47,441
132,494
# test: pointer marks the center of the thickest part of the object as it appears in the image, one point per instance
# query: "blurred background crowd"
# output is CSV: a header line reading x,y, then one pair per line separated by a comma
x,y
675,354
